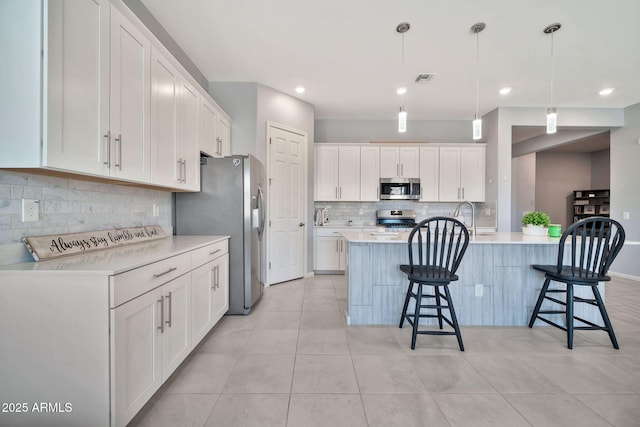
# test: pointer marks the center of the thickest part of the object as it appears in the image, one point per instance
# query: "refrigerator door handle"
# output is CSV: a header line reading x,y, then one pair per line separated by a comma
x,y
261,212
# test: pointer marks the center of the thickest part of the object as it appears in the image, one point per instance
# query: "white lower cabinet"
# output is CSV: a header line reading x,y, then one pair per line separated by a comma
x,y
106,330
209,296
330,249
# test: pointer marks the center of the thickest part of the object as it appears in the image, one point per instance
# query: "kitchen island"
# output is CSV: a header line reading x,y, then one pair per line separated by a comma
x,y
496,285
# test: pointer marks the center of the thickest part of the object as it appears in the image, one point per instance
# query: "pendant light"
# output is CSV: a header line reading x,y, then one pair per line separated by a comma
x,y
402,28
477,122
552,115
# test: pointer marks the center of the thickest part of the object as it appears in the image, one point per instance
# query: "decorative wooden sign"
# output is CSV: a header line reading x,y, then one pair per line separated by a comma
x,y
55,246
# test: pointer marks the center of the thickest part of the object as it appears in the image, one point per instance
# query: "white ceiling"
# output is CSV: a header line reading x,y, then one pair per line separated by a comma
x,y
347,53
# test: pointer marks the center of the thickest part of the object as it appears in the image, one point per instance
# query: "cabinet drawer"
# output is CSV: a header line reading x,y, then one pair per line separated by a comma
x,y
133,283
333,232
210,252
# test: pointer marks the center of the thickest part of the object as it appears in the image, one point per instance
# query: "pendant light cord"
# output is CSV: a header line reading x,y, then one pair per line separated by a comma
x,y
551,79
477,71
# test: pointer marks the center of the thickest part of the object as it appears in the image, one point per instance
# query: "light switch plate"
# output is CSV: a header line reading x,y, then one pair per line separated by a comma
x,y
30,210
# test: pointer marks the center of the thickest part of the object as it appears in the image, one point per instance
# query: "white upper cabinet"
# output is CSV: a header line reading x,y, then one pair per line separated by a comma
x,y
88,96
338,173
129,151
214,137
208,121
77,108
164,98
429,173
369,174
462,171
399,162
223,137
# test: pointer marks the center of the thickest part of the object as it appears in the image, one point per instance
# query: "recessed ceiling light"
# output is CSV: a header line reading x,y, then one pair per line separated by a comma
x,y
605,92
401,90
300,89
504,91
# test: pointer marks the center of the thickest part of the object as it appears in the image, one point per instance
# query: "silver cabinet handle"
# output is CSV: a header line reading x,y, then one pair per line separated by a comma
x,y
213,284
107,136
119,147
170,304
161,327
340,193
214,252
155,276
337,246
179,170
218,277
458,193
462,193
184,175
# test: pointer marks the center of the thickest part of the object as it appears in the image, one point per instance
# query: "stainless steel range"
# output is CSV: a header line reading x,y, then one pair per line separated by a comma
x,y
396,219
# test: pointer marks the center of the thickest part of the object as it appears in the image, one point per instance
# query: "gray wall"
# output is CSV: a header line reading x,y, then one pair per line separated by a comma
x,y
343,131
601,169
71,206
557,174
523,188
625,196
251,106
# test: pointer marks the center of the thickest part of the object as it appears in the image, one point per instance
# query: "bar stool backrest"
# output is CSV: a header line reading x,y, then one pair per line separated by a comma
x,y
595,242
441,243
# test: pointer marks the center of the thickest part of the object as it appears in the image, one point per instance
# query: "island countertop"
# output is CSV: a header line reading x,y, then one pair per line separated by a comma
x,y
489,238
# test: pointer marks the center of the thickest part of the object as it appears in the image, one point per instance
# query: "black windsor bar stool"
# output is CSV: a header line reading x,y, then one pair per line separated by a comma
x,y
436,247
595,242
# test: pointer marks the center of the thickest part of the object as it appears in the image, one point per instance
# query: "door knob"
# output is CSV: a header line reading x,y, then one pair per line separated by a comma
x,y
301,224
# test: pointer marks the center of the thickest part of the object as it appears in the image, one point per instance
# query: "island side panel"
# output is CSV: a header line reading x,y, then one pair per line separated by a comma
x,y
510,286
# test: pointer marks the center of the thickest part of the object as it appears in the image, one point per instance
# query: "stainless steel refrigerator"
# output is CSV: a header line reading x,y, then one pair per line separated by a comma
x,y
230,202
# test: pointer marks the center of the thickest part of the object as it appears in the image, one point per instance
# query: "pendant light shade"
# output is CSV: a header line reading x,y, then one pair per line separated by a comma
x,y
402,28
552,115
477,122
402,120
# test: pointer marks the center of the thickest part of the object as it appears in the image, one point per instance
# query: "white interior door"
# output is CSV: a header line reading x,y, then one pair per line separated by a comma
x,y
287,205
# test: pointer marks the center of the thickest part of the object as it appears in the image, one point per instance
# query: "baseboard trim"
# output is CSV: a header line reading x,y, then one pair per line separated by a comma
x,y
625,276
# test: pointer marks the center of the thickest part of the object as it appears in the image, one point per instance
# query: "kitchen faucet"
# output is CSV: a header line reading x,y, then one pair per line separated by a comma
x,y
456,213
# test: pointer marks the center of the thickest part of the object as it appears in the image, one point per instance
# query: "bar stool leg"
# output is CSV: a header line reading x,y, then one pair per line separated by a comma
x,y
439,304
605,317
454,319
406,303
416,317
569,315
543,292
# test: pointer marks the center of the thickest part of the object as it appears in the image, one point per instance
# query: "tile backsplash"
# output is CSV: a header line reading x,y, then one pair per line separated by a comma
x,y
341,212
70,206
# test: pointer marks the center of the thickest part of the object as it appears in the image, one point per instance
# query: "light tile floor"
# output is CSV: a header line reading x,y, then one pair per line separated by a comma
x,y
294,362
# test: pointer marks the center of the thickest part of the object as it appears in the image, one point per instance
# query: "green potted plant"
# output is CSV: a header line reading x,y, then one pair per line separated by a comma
x,y
535,223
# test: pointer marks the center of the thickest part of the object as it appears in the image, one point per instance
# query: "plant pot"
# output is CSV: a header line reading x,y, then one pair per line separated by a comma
x,y
534,230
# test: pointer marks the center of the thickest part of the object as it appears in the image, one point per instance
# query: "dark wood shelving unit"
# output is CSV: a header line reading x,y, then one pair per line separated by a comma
x,y
588,203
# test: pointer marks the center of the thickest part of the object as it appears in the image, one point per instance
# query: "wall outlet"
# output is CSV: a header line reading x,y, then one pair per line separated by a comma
x,y
479,289
625,215
30,210
156,210
361,211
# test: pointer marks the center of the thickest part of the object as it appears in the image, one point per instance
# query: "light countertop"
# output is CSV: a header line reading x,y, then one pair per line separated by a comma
x,y
120,259
491,238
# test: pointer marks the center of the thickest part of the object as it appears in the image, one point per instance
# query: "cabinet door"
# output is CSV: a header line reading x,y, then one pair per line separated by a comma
x,y
176,338
449,182
130,101
136,354
220,295
224,137
327,173
389,162
429,173
472,173
409,162
349,173
77,108
188,161
369,174
202,284
208,121
164,93
327,253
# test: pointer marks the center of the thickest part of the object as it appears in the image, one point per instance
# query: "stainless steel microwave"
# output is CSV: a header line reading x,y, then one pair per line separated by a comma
x,y
399,188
